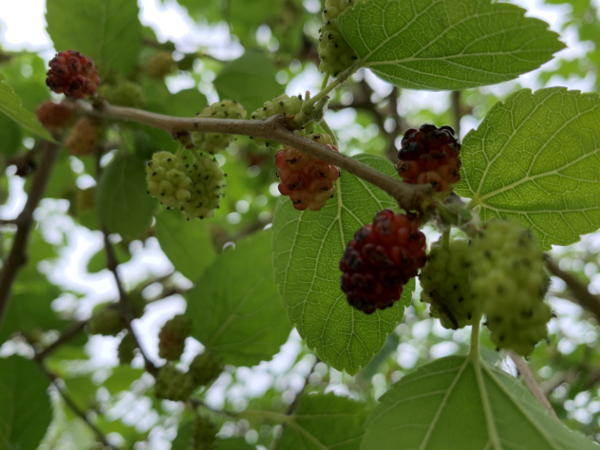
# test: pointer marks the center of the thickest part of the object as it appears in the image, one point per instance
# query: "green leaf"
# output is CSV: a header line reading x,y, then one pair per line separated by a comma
x,y
536,158
107,31
11,136
30,308
97,263
183,440
250,80
186,103
11,105
325,422
440,406
234,444
25,410
121,379
123,204
186,243
446,45
307,248
82,390
235,308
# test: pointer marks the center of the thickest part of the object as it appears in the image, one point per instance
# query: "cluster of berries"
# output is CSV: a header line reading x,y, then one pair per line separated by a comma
x,y
499,274
76,76
195,188
335,53
171,383
307,180
215,142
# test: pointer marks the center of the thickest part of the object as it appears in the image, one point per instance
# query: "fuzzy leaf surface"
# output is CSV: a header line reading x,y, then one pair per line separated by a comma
x,y
307,248
186,243
25,410
108,31
235,307
446,44
123,204
439,406
536,158
325,422
12,106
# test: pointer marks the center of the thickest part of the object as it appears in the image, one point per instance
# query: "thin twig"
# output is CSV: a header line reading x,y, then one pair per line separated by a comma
x,y
535,389
584,297
125,307
112,264
69,334
18,253
294,405
71,404
409,197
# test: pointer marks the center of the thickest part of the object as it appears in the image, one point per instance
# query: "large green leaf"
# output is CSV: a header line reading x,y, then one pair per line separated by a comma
x,y
186,103
325,422
186,243
25,410
235,307
123,204
536,158
106,30
446,44
11,105
249,80
30,308
11,136
453,403
307,247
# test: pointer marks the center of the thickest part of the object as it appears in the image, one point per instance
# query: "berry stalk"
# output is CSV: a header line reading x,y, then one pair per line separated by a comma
x,y
409,197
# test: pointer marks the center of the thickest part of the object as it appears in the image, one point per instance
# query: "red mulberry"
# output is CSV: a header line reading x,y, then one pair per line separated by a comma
x,y
382,257
307,180
84,136
72,74
430,155
55,116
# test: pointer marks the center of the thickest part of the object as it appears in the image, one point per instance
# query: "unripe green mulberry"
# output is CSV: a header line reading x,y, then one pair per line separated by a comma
x,y
204,434
205,368
445,283
160,65
171,338
508,277
215,142
208,181
125,94
167,179
126,349
86,198
335,53
171,384
106,320
283,105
